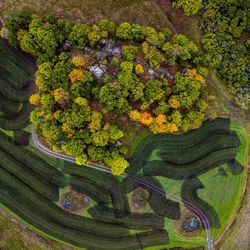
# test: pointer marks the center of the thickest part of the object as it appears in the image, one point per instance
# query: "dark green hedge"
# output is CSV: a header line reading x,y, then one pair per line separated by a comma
x,y
109,183
19,121
132,221
184,171
189,193
31,160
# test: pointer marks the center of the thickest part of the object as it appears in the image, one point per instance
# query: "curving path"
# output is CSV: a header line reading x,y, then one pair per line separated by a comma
x,y
189,205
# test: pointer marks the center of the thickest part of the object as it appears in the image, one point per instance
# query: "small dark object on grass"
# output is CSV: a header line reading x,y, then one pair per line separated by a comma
x,y
191,225
21,138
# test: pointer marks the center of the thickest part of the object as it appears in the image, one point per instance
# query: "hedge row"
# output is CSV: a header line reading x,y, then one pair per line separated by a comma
x,y
77,230
189,193
17,69
9,107
132,221
31,160
200,150
184,171
109,184
93,190
19,95
28,176
174,142
18,122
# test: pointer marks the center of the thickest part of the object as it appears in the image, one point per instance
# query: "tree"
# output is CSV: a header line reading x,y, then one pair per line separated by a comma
x,y
194,75
61,96
81,159
146,118
138,32
152,91
129,52
127,66
180,49
139,69
162,108
74,147
35,99
96,153
115,133
190,7
116,162
60,74
79,61
154,56
124,31
107,25
79,35
96,34
76,75
47,101
95,122
160,119
13,25
100,138
173,102
192,120
134,115
186,90
176,118
153,37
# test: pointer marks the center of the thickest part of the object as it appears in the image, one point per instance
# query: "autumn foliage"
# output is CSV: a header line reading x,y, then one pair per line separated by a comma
x,y
34,99
158,124
193,75
76,75
79,61
139,69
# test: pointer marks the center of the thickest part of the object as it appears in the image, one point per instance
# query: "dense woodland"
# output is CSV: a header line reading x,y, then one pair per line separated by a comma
x,y
225,41
87,73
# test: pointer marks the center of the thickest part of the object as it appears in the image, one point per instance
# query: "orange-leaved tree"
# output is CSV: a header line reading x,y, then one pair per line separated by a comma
x,y
76,75
146,118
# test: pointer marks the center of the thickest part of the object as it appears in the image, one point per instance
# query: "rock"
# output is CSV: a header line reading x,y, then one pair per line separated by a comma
x,y
151,72
137,205
103,42
119,143
66,45
97,70
85,200
117,52
100,56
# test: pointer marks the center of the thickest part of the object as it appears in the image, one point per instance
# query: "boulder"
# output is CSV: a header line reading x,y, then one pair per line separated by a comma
x,y
97,70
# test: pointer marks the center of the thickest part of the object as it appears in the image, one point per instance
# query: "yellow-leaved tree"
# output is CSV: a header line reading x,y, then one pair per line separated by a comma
x,y
139,69
79,61
35,99
134,115
173,102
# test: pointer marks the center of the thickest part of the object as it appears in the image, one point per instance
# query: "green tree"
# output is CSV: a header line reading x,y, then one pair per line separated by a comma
x,y
124,31
100,138
138,32
74,147
129,52
107,25
79,35
96,153
115,133
190,7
